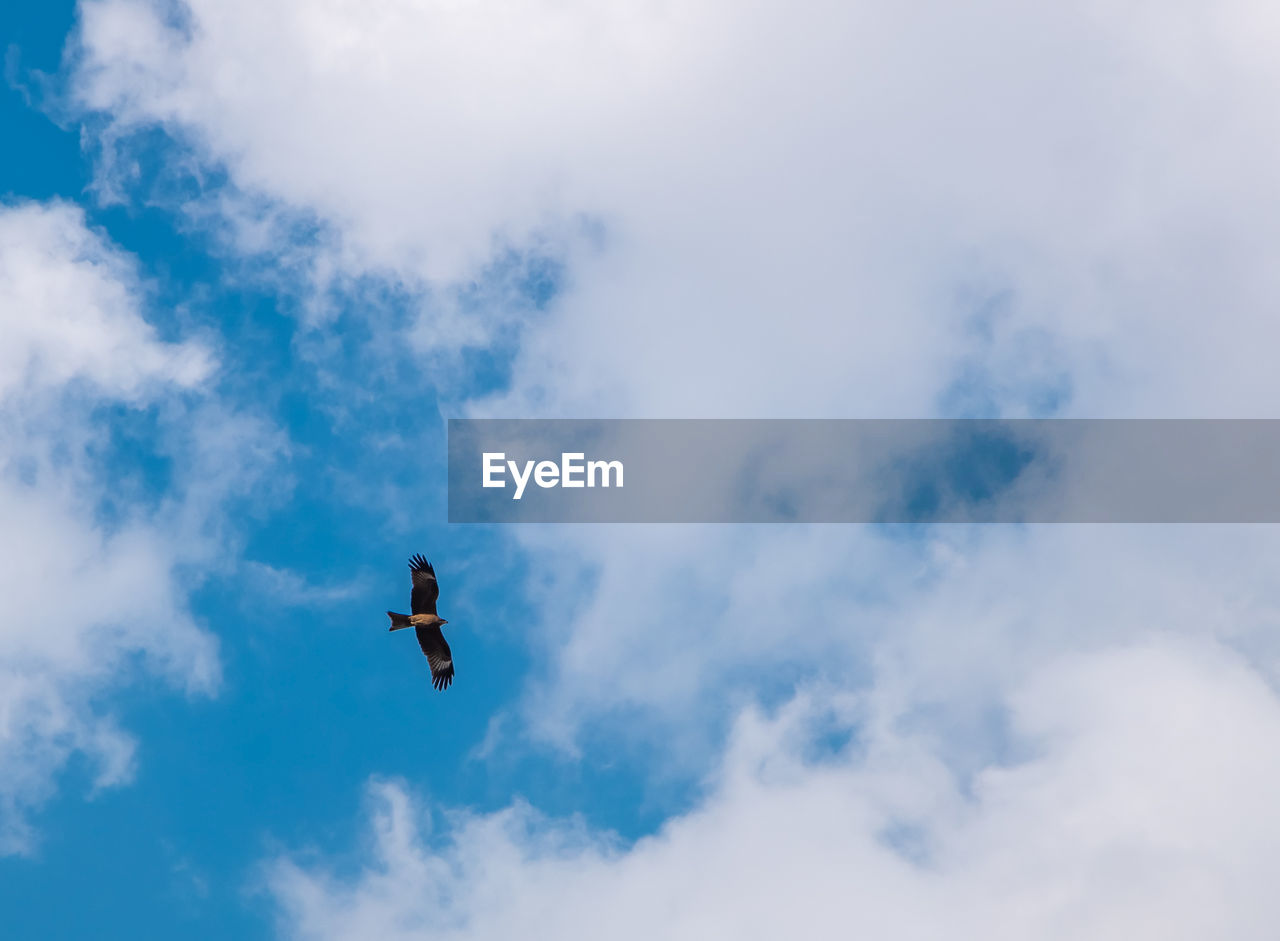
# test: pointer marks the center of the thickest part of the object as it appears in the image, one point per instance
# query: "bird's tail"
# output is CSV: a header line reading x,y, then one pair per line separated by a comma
x,y
398,621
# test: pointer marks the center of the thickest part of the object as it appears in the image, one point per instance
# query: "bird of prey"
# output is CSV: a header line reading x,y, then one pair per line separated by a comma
x,y
426,623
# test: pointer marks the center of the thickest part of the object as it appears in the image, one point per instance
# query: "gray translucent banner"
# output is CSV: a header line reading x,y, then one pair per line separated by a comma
x,y
864,471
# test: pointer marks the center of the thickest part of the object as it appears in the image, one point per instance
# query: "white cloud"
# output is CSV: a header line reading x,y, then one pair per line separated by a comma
x,y
684,626
70,305
809,210
827,209
824,209
90,584
1140,807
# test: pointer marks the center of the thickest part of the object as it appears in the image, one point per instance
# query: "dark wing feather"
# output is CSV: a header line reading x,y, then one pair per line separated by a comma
x,y
425,587
439,657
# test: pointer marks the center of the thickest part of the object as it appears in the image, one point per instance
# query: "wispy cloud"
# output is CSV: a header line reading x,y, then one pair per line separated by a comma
x,y
1103,829
83,590
289,588
866,209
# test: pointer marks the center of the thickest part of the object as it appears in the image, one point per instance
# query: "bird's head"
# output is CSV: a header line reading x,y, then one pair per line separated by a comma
x,y
443,621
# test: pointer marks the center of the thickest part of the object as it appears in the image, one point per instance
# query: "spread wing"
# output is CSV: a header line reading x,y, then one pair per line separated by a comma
x,y
425,587
439,658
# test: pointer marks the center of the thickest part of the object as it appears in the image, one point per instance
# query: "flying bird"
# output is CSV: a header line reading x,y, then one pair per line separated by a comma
x,y
425,622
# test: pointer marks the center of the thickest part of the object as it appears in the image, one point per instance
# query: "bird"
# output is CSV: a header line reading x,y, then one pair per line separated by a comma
x,y
425,622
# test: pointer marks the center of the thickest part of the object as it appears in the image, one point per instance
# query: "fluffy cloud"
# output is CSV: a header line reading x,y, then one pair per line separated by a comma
x,y
826,209
72,314
91,574
1138,805
686,622
818,209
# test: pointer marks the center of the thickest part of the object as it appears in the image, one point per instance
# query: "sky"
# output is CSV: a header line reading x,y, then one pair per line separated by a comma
x,y
253,255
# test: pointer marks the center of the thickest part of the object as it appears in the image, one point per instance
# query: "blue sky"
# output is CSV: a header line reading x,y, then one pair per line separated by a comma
x,y
253,254
316,696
